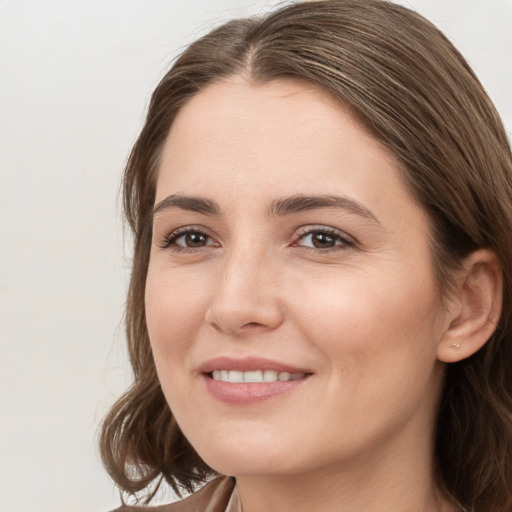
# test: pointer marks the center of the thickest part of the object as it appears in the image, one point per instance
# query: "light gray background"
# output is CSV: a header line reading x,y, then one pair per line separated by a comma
x,y
75,79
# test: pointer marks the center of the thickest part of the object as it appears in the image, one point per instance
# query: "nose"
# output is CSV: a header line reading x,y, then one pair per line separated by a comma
x,y
246,298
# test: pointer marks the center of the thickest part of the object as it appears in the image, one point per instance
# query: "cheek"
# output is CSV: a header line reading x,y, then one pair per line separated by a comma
x,y
378,346
175,308
370,317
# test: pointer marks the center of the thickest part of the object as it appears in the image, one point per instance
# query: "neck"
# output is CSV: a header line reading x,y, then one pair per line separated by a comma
x,y
332,493
396,478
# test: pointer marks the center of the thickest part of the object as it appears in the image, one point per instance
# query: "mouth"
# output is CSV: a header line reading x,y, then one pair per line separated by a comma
x,y
255,376
250,380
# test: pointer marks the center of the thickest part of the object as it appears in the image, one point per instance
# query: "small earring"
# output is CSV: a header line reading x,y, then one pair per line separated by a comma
x,y
455,346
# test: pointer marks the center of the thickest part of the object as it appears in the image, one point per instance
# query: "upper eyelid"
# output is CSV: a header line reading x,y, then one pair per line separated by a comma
x,y
188,229
308,228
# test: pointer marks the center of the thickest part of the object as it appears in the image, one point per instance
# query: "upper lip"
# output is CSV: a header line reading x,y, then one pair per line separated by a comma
x,y
248,364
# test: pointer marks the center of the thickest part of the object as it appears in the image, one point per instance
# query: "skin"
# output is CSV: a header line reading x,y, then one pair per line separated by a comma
x,y
363,316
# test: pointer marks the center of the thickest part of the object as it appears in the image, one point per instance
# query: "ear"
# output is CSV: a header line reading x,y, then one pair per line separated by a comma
x,y
476,307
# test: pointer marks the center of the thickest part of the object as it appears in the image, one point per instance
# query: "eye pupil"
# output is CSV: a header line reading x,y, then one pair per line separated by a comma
x,y
322,240
195,240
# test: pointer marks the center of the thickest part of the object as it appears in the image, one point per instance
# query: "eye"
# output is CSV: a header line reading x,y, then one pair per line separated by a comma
x,y
191,239
324,238
187,239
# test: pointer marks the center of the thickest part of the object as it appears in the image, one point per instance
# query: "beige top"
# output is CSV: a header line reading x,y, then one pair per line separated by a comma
x,y
234,504
219,495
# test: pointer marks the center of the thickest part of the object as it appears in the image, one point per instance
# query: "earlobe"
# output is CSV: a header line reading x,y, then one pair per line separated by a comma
x,y
479,297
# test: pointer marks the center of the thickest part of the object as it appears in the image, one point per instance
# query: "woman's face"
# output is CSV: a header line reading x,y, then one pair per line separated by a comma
x,y
291,301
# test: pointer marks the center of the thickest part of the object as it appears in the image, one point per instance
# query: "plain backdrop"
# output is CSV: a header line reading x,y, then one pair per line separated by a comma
x,y
75,80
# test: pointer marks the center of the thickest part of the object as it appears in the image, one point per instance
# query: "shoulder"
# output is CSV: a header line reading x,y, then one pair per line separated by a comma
x,y
213,497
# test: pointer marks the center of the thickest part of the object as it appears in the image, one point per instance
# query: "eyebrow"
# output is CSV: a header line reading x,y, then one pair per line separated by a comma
x,y
190,203
301,203
278,207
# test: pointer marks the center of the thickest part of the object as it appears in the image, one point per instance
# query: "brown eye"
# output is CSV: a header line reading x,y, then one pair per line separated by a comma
x,y
189,239
323,239
193,240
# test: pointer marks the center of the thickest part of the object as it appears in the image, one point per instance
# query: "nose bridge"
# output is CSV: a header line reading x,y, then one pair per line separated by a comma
x,y
242,267
246,293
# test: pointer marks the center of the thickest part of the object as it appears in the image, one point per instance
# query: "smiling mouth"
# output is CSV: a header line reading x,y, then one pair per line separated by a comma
x,y
256,376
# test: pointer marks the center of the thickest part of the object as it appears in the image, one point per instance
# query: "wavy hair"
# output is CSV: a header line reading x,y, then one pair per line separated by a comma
x,y
406,83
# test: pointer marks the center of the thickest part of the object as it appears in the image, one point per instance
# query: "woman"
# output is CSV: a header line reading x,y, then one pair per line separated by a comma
x,y
320,301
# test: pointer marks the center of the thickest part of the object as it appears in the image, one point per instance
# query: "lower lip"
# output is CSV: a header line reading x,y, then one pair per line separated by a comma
x,y
248,393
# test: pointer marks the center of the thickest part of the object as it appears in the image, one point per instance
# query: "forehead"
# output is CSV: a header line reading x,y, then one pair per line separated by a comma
x,y
292,114
281,137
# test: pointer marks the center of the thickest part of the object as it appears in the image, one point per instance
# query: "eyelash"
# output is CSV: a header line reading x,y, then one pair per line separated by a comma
x,y
338,236
169,241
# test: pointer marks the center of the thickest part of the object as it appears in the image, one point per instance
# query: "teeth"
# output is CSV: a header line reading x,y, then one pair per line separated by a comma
x,y
256,376
270,376
236,376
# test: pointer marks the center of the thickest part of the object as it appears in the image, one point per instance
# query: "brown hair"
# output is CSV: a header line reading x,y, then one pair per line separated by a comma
x,y
407,84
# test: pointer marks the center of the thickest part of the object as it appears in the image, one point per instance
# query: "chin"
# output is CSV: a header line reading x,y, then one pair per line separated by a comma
x,y
251,465
251,456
